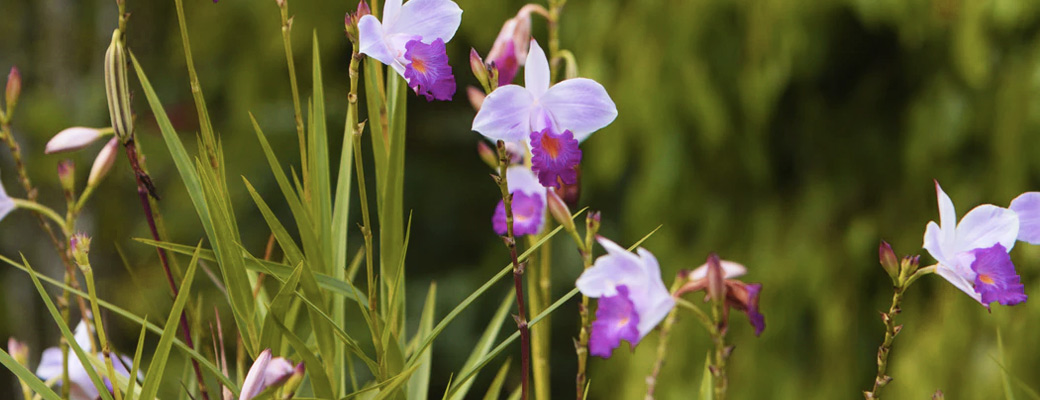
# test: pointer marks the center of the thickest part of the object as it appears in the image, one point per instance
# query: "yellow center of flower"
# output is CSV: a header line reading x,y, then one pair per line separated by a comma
x,y
419,65
986,279
622,322
551,145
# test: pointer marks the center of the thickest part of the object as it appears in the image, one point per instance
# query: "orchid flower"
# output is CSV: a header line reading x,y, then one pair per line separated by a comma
x,y
267,372
509,52
528,203
738,294
973,253
632,297
82,388
410,39
555,118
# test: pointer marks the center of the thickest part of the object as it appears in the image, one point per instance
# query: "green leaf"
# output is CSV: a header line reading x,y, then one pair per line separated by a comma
x,y
27,376
66,332
285,241
495,388
391,194
321,191
319,379
136,366
270,335
481,349
162,351
419,385
706,380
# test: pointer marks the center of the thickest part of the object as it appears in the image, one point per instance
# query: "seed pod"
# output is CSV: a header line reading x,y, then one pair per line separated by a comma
x,y
117,90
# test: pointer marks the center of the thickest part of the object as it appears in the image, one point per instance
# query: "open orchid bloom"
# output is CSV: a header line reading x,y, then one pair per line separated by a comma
x,y
82,388
633,298
512,112
738,294
266,372
410,39
528,203
973,253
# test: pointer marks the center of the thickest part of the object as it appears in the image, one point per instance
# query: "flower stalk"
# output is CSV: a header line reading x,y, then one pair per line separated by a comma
x,y
581,348
80,245
518,269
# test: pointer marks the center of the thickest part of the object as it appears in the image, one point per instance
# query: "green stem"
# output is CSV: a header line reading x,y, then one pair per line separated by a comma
x,y
582,347
44,211
518,270
88,275
721,352
891,330
537,288
287,43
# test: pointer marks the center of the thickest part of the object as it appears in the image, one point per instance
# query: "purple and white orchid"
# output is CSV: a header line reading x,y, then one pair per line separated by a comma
x,y
633,298
973,253
528,203
554,118
410,39
267,372
81,387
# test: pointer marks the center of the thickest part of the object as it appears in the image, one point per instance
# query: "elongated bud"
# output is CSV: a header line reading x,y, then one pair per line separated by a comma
x,y
480,71
559,210
293,383
14,88
716,278
103,163
67,176
475,96
117,90
71,139
80,245
888,260
18,350
487,154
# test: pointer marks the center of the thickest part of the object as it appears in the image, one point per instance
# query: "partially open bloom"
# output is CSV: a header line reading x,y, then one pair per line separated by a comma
x,y
967,250
71,139
633,298
737,294
512,113
528,203
555,157
266,372
82,388
511,46
410,39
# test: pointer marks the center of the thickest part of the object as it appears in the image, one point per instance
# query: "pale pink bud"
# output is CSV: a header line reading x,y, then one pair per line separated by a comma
x,y
476,97
104,161
70,139
67,175
559,210
14,87
264,373
510,49
18,350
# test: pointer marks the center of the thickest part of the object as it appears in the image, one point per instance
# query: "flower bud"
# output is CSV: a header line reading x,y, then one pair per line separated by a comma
x,y
70,139
117,90
559,210
19,351
910,264
293,382
592,222
888,260
80,245
487,154
511,46
103,163
480,70
280,3
14,88
67,176
571,193
476,97
716,279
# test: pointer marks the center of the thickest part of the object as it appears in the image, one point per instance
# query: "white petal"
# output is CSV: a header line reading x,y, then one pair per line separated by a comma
x,y
614,250
371,38
580,105
254,382
536,71
947,215
606,274
391,9
985,226
6,203
960,282
505,114
82,336
50,364
729,268
933,243
523,179
1027,206
652,314
430,19
70,139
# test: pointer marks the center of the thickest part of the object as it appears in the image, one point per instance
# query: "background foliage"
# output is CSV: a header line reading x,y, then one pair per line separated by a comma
x,y
788,135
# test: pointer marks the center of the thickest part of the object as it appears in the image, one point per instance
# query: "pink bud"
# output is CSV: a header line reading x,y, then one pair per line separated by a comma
x,y
67,175
362,10
14,87
559,210
18,350
266,372
104,161
487,154
716,278
70,139
476,97
511,46
888,259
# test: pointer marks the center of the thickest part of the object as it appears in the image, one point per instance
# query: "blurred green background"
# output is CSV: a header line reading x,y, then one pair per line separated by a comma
x,y
789,135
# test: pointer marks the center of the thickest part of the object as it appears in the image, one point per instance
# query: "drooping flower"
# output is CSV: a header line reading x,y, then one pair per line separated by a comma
x,y
737,294
509,52
71,139
266,372
511,113
81,387
528,203
410,39
631,292
966,249
555,157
